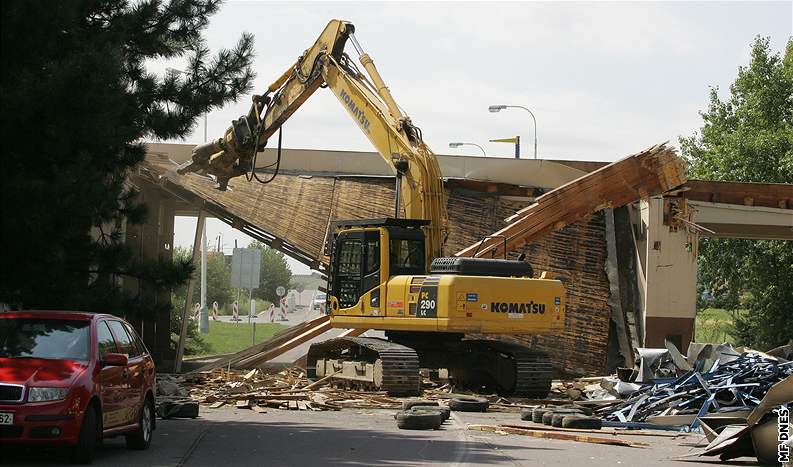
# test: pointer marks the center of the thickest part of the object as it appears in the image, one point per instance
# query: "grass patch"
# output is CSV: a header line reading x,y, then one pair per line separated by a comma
x,y
232,337
716,325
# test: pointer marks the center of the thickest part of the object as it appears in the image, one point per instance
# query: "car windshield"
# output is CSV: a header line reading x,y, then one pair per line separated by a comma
x,y
56,339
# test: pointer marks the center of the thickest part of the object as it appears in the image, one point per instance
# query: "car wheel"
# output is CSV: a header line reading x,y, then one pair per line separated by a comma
x,y
83,452
140,439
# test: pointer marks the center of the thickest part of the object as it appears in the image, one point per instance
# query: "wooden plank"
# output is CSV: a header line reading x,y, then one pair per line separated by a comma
x,y
602,431
243,404
271,353
258,409
276,340
639,176
556,435
217,405
772,195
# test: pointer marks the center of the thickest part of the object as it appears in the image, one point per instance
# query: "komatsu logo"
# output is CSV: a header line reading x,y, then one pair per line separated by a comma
x,y
530,307
357,112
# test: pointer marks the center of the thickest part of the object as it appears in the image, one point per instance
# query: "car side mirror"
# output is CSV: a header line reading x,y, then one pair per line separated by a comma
x,y
115,359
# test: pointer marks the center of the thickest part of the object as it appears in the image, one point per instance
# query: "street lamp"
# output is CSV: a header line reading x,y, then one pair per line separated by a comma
x,y
203,322
457,145
498,108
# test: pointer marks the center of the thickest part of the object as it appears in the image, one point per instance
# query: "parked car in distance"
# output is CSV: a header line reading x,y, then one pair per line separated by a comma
x,y
319,302
71,379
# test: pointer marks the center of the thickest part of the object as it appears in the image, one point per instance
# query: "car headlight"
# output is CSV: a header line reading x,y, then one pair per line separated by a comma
x,y
47,394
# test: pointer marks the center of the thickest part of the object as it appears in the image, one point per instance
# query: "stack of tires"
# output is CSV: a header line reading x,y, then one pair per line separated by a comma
x,y
420,414
565,416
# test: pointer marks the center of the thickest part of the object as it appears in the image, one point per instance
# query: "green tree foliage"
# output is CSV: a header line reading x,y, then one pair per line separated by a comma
x,y
749,138
274,272
77,101
218,278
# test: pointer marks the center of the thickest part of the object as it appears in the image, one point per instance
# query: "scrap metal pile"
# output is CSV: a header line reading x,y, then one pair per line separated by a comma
x,y
668,390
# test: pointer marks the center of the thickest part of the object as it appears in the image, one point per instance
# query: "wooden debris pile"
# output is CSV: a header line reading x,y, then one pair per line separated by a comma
x,y
287,389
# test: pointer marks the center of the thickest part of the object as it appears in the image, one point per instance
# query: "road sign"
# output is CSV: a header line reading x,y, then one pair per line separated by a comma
x,y
245,265
280,291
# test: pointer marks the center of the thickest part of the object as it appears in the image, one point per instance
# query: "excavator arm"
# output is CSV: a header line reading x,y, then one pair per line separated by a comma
x,y
370,104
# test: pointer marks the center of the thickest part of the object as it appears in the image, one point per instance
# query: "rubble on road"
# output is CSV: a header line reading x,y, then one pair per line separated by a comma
x,y
287,389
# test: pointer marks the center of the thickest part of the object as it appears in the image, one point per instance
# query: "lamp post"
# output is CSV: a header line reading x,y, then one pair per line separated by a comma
x,y
498,108
457,145
203,321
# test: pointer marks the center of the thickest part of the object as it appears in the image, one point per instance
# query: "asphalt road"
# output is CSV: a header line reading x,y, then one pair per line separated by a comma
x,y
237,437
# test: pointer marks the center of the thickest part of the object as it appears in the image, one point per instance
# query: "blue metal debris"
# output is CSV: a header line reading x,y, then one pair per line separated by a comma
x,y
733,381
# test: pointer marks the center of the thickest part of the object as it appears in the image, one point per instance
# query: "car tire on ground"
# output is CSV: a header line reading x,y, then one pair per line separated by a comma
x,y
582,422
536,414
469,404
419,420
526,414
83,452
444,411
140,439
407,405
547,417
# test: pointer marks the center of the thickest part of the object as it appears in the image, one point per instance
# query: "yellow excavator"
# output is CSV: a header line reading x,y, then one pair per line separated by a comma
x,y
390,274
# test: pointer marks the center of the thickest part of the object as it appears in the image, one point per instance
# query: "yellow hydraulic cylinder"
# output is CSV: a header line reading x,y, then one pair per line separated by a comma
x,y
382,89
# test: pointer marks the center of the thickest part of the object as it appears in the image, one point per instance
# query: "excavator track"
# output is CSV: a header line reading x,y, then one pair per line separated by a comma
x,y
387,366
506,368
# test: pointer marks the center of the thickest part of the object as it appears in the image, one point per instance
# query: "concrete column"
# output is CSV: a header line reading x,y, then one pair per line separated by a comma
x,y
165,244
670,269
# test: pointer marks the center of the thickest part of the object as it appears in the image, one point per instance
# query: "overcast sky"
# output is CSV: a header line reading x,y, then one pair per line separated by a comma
x,y
604,80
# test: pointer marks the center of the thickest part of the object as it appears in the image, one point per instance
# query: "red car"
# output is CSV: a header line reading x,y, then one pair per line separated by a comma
x,y
71,379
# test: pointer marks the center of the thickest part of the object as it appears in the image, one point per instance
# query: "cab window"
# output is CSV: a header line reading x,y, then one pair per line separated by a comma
x,y
371,278
406,256
348,275
372,253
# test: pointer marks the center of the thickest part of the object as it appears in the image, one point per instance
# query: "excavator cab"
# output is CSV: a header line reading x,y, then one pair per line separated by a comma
x,y
365,254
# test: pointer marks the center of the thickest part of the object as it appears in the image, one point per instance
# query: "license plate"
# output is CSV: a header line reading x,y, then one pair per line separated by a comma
x,y
6,418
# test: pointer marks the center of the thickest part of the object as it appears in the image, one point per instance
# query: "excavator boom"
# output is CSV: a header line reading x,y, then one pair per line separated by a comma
x,y
370,104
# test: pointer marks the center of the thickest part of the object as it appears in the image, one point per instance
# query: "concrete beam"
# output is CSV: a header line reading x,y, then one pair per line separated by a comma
x,y
738,221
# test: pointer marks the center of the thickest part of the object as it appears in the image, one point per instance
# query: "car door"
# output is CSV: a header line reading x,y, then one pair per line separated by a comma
x,y
111,378
133,375
144,376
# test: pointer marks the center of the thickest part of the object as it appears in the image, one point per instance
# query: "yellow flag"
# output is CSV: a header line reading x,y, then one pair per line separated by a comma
x,y
505,140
